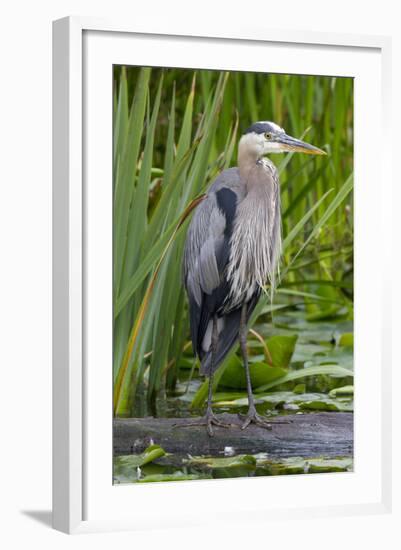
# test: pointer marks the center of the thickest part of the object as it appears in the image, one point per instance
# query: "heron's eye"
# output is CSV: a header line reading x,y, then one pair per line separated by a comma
x,y
268,135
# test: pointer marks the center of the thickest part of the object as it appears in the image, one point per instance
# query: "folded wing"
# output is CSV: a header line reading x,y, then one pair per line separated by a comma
x,y
207,252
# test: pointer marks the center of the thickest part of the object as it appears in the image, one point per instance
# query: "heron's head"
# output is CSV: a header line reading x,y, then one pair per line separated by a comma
x,y
266,137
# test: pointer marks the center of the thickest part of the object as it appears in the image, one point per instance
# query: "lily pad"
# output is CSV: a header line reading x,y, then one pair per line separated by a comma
x,y
330,465
281,349
333,370
223,462
308,331
226,467
344,391
306,352
261,373
340,356
125,467
271,400
150,453
287,466
299,465
346,340
327,405
305,401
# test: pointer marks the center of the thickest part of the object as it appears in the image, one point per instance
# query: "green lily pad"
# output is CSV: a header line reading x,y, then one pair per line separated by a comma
x,y
261,373
226,467
341,356
271,400
299,465
305,401
281,349
330,465
332,370
228,396
344,391
287,466
326,405
223,462
306,352
125,467
309,332
134,461
346,340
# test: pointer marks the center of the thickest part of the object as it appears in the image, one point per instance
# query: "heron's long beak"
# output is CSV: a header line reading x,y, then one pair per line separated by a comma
x,y
292,144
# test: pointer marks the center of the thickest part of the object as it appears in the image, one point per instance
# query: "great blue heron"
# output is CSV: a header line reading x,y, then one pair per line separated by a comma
x,y
232,249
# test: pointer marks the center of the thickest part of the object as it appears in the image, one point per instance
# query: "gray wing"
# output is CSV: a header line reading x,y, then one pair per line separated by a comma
x,y
207,250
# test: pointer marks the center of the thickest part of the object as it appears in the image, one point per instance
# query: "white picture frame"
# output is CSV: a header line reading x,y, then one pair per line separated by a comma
x,y
83,49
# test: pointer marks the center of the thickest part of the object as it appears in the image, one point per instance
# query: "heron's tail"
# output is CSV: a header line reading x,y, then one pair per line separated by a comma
x,y
227,337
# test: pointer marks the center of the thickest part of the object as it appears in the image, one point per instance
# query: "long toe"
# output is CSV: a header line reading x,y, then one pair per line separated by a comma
x,y
209,420
260,421
254,418
222,424
209,428
246,423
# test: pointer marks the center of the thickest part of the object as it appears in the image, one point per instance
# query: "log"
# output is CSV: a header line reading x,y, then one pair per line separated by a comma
x,y
308,435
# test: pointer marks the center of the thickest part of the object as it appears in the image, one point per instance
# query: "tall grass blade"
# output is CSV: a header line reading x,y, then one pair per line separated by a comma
x,y
144,305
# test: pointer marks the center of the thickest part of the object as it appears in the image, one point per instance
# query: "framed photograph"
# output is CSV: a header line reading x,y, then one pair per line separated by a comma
x,y
219,322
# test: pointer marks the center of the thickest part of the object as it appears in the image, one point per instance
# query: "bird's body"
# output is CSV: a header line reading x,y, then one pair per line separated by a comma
x,y
232,250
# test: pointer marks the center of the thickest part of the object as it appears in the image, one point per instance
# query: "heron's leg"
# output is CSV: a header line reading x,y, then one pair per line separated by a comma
x,y
210,420
252,416
213,346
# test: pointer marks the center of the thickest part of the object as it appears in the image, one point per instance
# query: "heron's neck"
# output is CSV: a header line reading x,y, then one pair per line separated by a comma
x,y
247,161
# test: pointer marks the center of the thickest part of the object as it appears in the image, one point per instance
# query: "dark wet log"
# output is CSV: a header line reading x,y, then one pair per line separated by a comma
x,y
306,435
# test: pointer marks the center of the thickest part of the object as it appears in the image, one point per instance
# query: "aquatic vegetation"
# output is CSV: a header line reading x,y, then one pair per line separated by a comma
x,y
195,468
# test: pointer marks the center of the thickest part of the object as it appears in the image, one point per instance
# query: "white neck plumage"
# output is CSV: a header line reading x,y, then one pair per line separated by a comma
x,y
249,152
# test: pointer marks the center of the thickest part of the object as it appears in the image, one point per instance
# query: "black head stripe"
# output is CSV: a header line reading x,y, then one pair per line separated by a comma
x,y
260,128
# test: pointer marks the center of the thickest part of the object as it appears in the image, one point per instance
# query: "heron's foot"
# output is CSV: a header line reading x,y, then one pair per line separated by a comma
x,y
209,420
252,417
